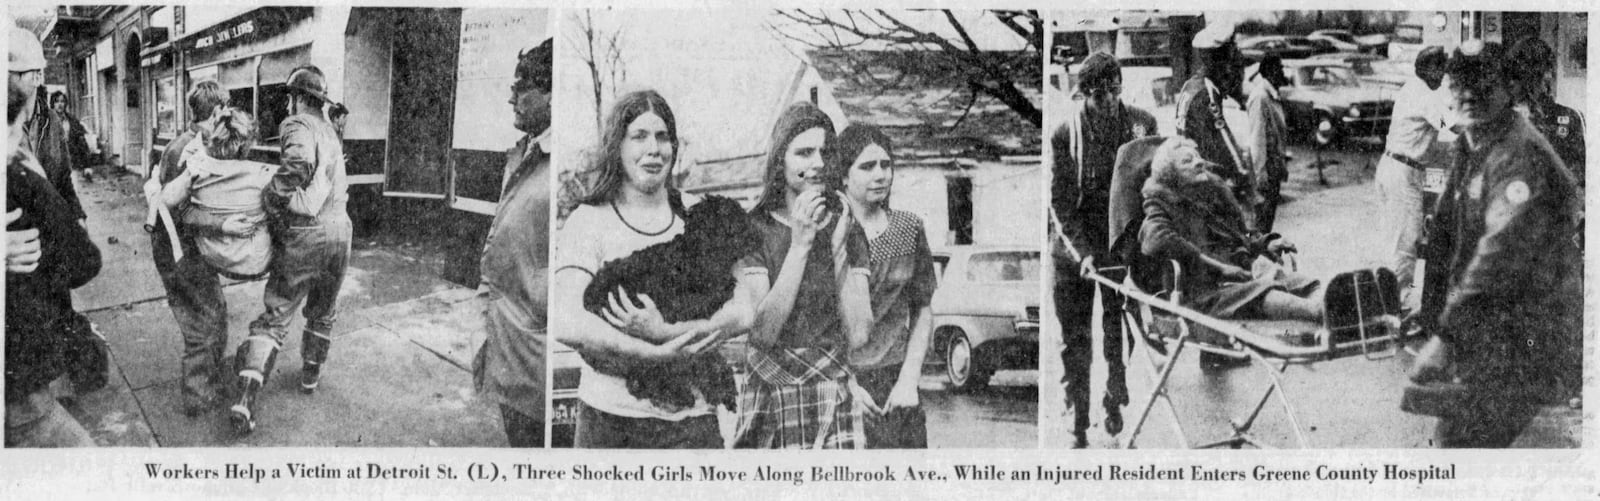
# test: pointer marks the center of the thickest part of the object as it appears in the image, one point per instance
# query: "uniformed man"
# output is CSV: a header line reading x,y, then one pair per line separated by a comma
x,y
1420,110
1200,104
1512,320
311,244
1529,81
1084,150
509,367
1268,138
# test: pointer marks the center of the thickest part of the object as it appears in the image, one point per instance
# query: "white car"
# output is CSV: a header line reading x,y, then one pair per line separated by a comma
x,y
986,311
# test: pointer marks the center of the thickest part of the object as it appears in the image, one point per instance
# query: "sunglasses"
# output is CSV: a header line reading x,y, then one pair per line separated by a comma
x,y
1110,90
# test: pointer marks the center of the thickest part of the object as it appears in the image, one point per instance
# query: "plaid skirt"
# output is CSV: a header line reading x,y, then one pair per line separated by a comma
x,y
799,398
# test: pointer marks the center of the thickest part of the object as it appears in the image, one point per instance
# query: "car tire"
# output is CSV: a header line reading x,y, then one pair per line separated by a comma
x,y
960,367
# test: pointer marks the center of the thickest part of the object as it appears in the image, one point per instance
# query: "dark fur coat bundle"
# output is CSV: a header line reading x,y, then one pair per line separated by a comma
x,y
689,278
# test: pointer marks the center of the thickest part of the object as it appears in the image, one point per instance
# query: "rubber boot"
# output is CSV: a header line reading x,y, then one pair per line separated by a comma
x,y
250,381
313,352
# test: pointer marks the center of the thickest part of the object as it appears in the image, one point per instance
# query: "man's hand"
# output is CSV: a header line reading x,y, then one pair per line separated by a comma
x,y
1086,266
1432,363
241,225
22,247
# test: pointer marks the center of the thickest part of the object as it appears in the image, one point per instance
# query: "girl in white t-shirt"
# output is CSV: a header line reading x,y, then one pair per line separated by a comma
x,y
627,206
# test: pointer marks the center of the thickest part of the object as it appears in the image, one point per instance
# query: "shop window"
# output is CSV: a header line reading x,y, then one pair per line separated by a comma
x,y
242,98
274,108
167,106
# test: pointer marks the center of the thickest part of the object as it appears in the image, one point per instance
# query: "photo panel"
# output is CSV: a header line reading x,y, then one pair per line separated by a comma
x,y
1274,228
302,268
919,330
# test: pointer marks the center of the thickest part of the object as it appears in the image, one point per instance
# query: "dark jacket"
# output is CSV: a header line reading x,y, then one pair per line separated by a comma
x,y
39,303
1084,154
50,147
1563,128
1182,223
1506,226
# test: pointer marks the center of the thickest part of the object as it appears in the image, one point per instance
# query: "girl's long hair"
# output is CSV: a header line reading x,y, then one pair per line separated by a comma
x,y
796,119
852,140
601,178
232,136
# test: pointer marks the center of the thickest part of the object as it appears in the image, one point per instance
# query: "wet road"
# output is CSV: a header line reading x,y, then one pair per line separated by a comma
x,y
1003,415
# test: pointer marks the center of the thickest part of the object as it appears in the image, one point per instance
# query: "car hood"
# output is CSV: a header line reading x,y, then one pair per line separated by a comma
x,y
1342,97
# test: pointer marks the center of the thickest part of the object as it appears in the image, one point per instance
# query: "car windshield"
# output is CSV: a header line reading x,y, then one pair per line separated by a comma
x,y
1013,266
1326,76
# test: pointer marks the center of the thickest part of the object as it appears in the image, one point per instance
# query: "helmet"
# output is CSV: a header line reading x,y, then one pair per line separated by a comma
x,y
309,79
24,53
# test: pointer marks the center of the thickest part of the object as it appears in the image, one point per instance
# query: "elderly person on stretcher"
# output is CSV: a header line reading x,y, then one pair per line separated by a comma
x,y
1230,270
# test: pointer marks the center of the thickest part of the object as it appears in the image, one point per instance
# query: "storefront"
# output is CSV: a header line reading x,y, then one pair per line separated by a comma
x,y
429,120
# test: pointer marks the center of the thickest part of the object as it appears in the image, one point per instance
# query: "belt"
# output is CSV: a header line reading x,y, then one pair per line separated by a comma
x,y
1412,162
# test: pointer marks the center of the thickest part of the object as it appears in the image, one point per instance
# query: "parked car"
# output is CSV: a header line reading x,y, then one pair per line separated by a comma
x,y
1284,46
1324,93
1342,40
1371,69
986,311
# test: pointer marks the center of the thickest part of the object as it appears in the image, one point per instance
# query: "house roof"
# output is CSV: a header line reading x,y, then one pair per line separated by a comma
x,y
919,98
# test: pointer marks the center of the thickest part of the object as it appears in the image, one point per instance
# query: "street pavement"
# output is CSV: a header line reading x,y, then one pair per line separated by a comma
x,y
1346,403
398,373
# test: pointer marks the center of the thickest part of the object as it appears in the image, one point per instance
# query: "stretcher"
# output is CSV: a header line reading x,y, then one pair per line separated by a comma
x,y
1362,321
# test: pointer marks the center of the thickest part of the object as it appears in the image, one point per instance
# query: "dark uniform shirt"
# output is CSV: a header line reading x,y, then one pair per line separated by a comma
x,y
1201,120
1508,218
1563,128
1084,151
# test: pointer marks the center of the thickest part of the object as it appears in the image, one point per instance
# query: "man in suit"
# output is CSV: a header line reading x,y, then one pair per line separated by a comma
x,y
1084,151
509,367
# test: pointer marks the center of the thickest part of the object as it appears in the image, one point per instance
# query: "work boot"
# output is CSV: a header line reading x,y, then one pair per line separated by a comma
x,y
250,381
313,352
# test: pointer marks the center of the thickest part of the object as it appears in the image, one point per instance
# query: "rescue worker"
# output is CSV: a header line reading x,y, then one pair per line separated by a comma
x,y
1084,152
1529,81
509,367
311,245
1267,140
1200,116
1511,321
194,293
1411,148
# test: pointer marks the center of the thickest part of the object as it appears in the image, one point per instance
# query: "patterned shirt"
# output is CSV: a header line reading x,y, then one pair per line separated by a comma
x,y
902,283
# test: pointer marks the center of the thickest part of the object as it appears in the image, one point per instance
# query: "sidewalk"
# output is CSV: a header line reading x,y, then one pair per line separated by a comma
x,y
398,374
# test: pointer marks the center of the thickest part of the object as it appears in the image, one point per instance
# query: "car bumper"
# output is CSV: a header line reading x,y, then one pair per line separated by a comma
x,y
1365,126
1018,352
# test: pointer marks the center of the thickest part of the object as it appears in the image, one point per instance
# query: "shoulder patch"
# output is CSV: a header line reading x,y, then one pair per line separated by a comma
x,y
1517,192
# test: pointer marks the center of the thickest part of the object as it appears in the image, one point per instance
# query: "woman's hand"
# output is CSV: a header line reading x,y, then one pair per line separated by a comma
x,y
806,218
1235,273
841,230
643,321
22,247
241,225
686,346
903,396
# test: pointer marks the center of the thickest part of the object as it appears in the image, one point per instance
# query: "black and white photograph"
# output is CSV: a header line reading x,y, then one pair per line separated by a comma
x,y
1315,229
797,229
245,225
